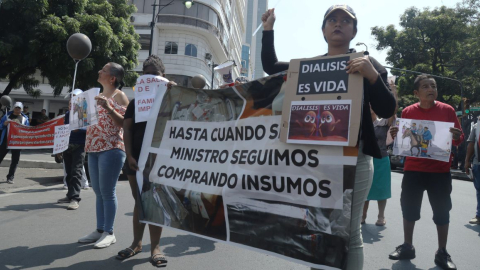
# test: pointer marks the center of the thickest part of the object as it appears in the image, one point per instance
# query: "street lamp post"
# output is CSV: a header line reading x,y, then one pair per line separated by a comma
x,y
361,43
213,65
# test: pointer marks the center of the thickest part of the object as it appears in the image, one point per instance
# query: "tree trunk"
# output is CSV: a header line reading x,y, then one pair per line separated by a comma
x,y
13,81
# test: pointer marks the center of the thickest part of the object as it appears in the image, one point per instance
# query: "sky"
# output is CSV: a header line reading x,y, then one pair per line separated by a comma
x,y
298,24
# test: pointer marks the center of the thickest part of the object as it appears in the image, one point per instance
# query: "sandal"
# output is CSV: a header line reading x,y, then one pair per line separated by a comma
x,y
381,222
158,260
126,253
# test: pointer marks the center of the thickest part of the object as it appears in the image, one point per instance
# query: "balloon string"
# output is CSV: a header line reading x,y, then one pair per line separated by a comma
x,y
75,76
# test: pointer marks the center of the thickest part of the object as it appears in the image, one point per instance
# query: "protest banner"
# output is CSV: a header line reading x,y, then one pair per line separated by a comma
x,y
37,137
84,109
423,139
145,92
212,164
61,139
323,78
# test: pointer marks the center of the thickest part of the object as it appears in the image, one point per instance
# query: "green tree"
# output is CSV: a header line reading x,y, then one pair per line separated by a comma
x,y
34,33
442,41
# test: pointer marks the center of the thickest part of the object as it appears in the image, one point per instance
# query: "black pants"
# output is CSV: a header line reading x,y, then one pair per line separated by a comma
x,y
438,187
15,157
74,157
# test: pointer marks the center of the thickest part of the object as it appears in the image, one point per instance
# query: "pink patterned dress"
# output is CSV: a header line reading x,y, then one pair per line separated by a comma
x,y
105,135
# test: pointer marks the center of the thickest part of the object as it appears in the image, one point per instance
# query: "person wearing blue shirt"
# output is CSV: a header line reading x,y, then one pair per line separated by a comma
x,y
427,135
14,116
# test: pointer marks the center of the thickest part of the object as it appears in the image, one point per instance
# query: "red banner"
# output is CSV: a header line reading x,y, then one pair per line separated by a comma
x,y
25,137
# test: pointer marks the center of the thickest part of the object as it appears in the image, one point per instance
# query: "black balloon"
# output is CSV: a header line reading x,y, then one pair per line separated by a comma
x,y
6,101
198,81
79,46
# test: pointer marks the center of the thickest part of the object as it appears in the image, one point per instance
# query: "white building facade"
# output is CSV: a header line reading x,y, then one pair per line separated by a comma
x,y
191,40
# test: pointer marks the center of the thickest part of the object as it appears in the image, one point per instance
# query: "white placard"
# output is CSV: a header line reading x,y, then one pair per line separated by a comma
x,y
145,92
62,137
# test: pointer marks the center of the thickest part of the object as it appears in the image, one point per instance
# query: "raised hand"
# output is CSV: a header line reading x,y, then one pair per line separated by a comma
x,y
268,19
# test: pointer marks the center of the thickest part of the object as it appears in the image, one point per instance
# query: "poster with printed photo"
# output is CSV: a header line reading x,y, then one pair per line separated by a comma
x,y
83,111
323,122
323,78
423,139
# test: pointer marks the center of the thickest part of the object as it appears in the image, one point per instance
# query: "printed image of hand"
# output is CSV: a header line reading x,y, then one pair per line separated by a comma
x,y
394,132
268,19
456,133
170,84
132,163
103,101
364,67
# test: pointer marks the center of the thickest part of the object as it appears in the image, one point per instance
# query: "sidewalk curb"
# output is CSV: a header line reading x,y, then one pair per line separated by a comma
x,y
460,176
25,163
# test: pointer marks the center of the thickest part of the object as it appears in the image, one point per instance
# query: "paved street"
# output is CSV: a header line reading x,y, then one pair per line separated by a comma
x,y
37,233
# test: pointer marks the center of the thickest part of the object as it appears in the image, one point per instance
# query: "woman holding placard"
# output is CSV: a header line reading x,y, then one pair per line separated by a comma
x,y
339,28
106,152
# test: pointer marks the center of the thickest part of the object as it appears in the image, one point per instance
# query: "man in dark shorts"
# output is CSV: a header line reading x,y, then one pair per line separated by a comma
x,y
422,174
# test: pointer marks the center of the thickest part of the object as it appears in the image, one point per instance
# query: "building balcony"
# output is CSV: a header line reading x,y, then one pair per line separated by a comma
x,y
170,21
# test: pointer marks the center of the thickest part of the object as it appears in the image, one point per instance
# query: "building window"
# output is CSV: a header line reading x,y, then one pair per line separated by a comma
x,y
181,80
144,41
191,50
171,48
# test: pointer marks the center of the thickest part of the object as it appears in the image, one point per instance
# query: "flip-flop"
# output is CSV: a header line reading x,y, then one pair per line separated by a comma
x,y
381,222
158,260
126,253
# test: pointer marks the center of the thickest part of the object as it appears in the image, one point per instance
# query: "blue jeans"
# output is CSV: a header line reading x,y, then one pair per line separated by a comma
x,y
476,183
104,170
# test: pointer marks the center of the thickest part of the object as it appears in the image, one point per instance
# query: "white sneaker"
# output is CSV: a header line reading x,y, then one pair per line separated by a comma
x,y
73,205
105,241
90,238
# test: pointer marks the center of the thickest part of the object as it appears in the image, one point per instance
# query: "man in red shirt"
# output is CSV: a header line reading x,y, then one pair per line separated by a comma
x,y
422,174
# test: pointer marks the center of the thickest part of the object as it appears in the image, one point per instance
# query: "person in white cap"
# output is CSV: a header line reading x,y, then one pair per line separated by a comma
x,y
14,116
73,160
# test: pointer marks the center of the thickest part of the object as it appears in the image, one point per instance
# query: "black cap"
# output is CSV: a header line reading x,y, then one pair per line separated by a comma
x,y
345,8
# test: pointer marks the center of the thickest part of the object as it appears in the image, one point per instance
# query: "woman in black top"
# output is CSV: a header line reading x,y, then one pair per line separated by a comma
x,y
339,28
